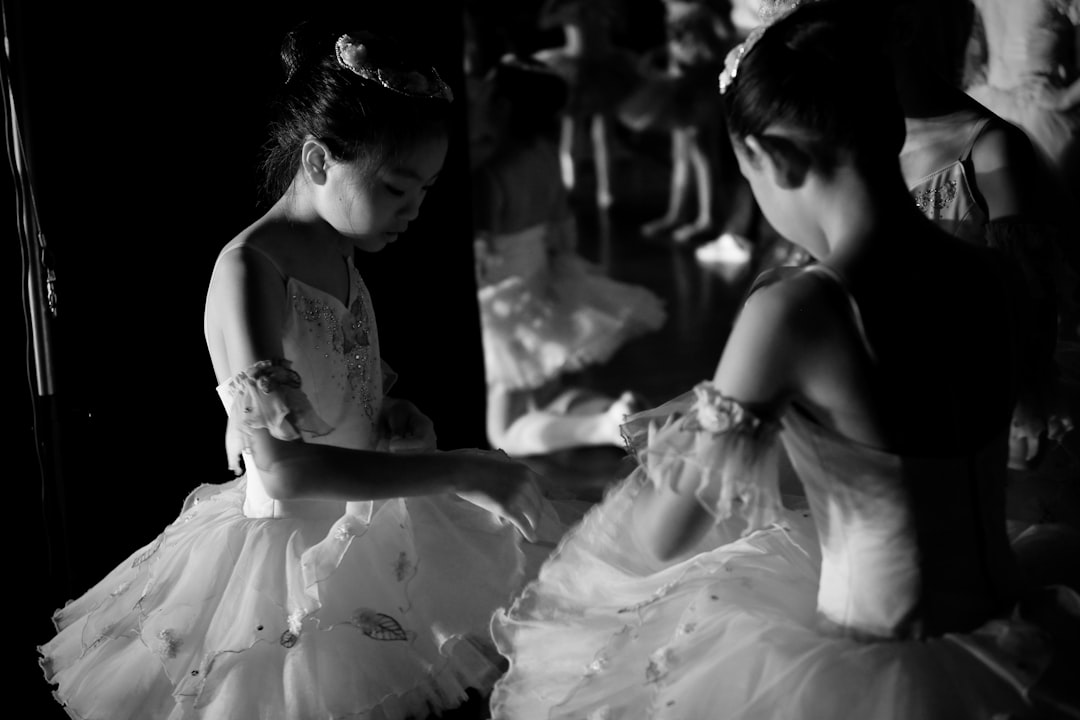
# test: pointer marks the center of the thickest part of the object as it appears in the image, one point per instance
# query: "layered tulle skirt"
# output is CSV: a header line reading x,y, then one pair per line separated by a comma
x,y
232,617
568,316
731,631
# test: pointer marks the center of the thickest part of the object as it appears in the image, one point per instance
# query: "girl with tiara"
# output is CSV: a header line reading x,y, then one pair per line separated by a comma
x,y
352,569
886,587
545,311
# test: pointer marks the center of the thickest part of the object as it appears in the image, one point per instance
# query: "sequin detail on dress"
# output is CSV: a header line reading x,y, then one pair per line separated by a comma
x,y
350,340
936,198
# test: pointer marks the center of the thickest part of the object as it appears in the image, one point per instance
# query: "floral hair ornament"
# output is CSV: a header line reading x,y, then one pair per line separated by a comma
x,y
355,56
769,12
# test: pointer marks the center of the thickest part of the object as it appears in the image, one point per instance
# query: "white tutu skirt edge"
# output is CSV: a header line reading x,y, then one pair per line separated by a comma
x,y
225,616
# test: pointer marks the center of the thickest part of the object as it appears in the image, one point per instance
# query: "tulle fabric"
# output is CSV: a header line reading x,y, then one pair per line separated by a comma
x,y
252,607
731,628
537,327
268,396
702,443
227,616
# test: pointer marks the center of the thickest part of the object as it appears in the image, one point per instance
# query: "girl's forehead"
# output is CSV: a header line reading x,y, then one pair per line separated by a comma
x,y
421,161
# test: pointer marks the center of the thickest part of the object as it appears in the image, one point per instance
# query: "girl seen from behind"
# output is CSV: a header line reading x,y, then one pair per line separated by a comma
x,y
886,587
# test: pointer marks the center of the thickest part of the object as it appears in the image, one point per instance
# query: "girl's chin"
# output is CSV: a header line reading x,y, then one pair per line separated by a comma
x,y
371,243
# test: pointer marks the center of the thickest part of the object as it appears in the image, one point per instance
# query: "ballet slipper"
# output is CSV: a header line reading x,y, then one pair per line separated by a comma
x,y
729,248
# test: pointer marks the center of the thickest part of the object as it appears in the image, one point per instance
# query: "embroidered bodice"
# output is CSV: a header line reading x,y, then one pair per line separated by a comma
x,y
946,195
331,354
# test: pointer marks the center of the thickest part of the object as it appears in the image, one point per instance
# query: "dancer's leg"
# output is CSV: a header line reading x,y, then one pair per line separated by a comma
x,y
679,188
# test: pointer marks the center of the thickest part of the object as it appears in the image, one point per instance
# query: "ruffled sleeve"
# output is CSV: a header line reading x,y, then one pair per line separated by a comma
x,y
707,443
267,396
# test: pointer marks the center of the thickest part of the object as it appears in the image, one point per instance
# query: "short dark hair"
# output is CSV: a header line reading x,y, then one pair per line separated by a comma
x,y
818,69
357,119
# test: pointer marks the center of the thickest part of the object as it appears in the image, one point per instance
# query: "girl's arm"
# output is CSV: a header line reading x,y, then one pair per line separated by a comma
x,y
249,300
1007,173
757,370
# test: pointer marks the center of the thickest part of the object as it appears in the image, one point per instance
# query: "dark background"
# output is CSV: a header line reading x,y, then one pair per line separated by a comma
x,y
142,124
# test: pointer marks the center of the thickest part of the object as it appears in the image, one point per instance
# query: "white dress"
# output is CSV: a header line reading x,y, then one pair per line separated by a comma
x,y
250,607
884,592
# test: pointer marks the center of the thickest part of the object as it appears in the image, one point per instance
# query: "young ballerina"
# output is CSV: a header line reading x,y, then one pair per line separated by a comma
x,y
698,588
545,311
599,75
681,99
352,570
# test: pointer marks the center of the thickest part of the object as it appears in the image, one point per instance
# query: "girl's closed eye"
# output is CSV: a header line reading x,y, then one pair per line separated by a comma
x,y
393,190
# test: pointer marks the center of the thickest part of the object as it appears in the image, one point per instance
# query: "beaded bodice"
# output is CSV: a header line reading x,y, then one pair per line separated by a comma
x,y
947,193
334,349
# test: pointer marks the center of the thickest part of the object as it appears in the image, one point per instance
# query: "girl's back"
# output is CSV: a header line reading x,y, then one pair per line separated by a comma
x,y
932,370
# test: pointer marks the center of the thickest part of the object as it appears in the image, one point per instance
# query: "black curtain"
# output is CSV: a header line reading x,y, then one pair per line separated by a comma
x,y
142,124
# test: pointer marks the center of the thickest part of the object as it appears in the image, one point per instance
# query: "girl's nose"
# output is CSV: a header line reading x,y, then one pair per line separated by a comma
x,y
412,208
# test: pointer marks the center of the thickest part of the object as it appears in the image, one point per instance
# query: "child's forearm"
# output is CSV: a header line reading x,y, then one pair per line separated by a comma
x,y
303,471
666,523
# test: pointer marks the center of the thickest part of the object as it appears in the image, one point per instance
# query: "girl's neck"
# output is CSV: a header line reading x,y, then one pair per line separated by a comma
x,y
865,213
296,209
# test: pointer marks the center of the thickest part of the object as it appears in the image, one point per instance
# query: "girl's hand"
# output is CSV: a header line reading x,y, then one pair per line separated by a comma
x,y
506,488
405,428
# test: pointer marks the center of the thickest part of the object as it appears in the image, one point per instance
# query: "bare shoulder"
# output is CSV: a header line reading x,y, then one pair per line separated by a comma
x,y
781,325
793,303
1002,145
261,247
1007,171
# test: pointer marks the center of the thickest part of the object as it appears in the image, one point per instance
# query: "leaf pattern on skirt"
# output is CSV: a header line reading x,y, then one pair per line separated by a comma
x,y
379,626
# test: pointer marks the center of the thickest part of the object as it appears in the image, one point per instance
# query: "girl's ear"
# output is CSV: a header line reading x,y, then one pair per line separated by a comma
x,y
314,160
785,162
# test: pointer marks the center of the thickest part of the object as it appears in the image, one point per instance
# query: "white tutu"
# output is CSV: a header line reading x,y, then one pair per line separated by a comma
x,y
559,315
226,616
734,628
